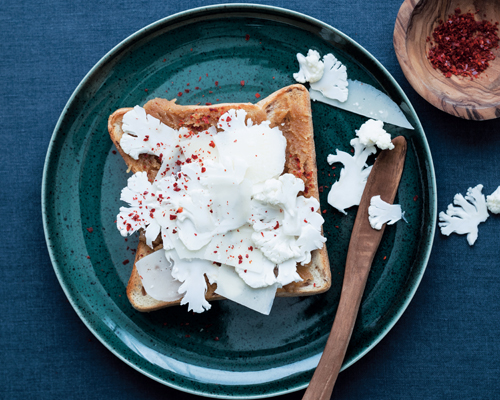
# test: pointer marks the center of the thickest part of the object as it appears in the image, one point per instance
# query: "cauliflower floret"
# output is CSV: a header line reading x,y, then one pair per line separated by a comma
x,y
347,191
283,190
465,218
140,214
286,226
493,201
311,68
192,275
333,83
372,133
381,212
145,134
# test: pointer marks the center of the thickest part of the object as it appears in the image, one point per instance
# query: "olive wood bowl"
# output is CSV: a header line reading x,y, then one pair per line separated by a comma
x,y
477,99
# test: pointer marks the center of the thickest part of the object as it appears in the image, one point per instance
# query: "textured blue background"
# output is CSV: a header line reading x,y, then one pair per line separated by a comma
x,y
446,345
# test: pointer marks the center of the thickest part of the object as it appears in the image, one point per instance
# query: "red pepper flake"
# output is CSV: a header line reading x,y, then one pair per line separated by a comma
x,y
114,152
320,189
415,198
186,90
250,248
179,210
242,83
208,104
247,37
385,257
462,45
88,257
211,144
125,262
172,217
179,94
90,229
277,225
216,83
203,169
257,95
146,138
324,211
146,90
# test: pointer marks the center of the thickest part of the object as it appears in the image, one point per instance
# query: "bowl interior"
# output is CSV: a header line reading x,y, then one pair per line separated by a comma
x,y
468,98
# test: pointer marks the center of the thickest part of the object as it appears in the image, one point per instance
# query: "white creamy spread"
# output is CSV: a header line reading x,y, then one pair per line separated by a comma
x,y
219,201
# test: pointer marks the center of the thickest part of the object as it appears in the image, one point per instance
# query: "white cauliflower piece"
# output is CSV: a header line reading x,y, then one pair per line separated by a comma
x,y
145,134
311,68
381,212
333,84
283,191
139,194
347,191
493,201
465,218
192,275
372,133
286,226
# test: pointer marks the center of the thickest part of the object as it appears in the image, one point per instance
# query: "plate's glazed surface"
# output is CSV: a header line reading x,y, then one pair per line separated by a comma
x,y
202,56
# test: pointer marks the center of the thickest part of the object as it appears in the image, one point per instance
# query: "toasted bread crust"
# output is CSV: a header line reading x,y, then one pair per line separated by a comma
x,y
290,109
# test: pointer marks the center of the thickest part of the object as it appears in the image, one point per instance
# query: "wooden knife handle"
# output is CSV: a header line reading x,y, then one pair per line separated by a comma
x,y
384,181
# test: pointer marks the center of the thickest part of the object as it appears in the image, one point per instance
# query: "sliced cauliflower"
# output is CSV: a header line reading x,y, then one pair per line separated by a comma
x,y
465,218
493,201
333,84
347,191
381,212
286,226
192,275
139,194
145,134
372,133
311,68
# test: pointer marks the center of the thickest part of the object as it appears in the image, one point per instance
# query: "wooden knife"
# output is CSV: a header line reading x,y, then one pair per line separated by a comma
x,y
384,181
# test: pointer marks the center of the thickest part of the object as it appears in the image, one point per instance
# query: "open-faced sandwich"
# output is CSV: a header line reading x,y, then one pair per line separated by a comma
x,y
226,201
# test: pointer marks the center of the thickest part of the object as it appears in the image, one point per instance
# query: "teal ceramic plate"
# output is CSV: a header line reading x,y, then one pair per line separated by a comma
x,y
202,56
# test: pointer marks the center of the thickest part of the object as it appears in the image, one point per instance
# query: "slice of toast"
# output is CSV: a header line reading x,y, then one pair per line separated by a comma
x,y
289,109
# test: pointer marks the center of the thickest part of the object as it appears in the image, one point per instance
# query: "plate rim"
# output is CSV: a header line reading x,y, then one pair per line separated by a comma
x,y
171,19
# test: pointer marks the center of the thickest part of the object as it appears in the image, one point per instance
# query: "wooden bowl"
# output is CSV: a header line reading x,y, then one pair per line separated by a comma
x,y
477,99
